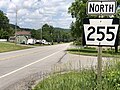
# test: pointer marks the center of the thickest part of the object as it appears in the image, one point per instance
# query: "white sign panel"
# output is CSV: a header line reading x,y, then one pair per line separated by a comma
x,y
101,31
101,7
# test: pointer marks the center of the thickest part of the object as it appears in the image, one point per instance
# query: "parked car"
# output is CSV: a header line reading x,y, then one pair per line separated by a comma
x,y
45,42
12,39
31,41
37,41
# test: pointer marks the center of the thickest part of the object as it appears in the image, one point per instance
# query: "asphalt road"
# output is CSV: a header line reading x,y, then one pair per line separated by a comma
x,y
16,65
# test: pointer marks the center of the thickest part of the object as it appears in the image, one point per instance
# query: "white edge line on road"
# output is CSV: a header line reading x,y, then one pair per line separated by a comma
x,y
29,65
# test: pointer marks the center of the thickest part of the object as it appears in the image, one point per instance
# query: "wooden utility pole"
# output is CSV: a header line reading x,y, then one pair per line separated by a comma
x,y
99,65
99,68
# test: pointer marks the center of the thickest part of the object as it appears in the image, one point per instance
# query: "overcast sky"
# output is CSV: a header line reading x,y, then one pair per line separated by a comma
x,y
34,13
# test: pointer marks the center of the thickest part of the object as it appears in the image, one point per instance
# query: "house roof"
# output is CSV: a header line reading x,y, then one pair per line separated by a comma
x,y
23,33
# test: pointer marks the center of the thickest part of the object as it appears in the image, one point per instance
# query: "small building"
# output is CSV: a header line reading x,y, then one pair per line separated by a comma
x,y
21,37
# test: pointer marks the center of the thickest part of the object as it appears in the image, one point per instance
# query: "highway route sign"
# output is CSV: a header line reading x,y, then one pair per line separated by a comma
x,y
101,31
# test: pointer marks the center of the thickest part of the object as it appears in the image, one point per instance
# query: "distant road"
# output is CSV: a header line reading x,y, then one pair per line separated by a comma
x,y
16,65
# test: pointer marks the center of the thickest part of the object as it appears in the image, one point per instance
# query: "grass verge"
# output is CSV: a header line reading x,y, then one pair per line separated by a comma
x,y
6,47
93,52
83,80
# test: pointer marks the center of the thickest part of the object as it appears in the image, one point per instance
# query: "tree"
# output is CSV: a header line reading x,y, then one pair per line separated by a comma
x,y
118,16
72,26
47,32
5,30
78,11
52,34
36,34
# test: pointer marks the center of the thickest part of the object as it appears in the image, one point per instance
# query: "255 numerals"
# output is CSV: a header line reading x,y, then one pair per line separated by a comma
x,y
100,32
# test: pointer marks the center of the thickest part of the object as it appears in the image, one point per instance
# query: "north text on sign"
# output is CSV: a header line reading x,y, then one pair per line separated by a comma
x,y
101,7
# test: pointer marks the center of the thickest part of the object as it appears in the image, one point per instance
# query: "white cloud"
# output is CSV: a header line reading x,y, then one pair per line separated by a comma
x,y
27,3
3,3
34,13
23,12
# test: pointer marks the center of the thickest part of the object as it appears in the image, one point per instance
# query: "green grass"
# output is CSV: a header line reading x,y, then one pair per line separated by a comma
x,y
67,81
6,47
85,79
82,80
93,52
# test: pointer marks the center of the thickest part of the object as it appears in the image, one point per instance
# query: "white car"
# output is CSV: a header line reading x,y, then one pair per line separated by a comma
x,y
43,41
47,43
38,41
31,41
